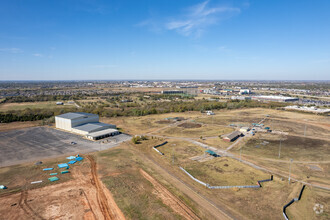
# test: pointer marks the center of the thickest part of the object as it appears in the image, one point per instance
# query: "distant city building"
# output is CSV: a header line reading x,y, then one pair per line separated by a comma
x,y
171,92
85,124
275,98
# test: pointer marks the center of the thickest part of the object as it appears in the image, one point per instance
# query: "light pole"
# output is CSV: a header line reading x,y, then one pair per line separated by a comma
x,y
291,160
279,150
173,154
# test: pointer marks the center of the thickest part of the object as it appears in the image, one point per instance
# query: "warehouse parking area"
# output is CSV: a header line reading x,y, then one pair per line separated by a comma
x,y
26,145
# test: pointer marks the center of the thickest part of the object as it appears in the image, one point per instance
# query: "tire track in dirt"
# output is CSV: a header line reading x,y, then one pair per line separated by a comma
x,y
23,204
169,199
109,213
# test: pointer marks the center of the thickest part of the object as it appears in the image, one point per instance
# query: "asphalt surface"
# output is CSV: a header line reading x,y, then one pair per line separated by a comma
x,y
31,144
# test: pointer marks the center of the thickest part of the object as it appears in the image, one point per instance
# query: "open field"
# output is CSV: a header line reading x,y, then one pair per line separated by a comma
x,y
31,144
145,183
146,124
304,209
298,148
203,131
32,105
250,203
138,194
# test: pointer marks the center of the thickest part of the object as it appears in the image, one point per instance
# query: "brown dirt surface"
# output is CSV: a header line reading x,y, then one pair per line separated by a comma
x,y
105,200
164,122
190,125
84,197
169,199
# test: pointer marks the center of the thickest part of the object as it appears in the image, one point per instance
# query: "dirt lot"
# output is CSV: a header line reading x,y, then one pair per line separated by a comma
x,y
82,197
190,125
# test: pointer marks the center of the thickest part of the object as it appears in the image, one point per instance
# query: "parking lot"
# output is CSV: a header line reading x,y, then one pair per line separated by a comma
x,y
30,144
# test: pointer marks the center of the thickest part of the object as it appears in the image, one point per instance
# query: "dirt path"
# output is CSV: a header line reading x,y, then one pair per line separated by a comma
x,y
169,199
200,200
105,200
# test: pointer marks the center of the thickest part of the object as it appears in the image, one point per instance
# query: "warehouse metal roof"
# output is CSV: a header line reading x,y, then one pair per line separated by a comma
x,y
89,127
103,132
233,135
75,115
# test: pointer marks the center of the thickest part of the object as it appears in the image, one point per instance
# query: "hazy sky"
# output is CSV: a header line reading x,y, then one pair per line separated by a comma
x,y
164,39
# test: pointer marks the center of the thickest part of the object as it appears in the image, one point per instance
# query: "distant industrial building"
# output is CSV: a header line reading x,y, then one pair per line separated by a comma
x,y
172,92
308,109
232,136
241,98
85,124
244,91
270,98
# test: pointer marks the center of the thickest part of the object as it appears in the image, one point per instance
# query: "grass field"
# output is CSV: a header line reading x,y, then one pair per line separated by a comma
x,y
297,148
303,209
32,105
136,196
203,131
225,171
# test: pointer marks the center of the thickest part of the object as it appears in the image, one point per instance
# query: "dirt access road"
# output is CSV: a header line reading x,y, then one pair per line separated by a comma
x,y
169,199
84,197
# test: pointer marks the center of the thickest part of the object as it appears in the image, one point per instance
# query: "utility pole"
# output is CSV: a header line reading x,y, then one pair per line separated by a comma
x,y
279,150
291,160
173,154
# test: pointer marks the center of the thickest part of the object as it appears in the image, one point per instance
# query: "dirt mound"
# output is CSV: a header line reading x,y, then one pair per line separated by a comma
x,y
164,122
190,125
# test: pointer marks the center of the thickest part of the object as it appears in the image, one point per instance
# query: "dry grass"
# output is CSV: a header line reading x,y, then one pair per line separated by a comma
x,y
303,209
18,125
205,131
297,148
32,105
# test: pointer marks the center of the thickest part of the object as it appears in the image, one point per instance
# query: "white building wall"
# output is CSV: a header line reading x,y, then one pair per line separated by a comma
x,y
63,123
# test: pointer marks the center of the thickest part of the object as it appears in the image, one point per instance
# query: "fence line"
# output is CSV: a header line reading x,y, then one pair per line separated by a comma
x,y
225,187
159,145
292,201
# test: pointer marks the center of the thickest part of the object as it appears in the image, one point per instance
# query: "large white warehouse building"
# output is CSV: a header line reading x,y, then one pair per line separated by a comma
x,y
86,124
